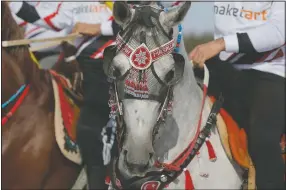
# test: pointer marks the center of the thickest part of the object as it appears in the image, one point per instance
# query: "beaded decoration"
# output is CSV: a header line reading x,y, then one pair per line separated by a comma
x,y
180,28
112,102
179,39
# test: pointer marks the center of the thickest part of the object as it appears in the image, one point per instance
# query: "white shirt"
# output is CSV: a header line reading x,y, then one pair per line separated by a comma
x,y
36,32
264,22
64,15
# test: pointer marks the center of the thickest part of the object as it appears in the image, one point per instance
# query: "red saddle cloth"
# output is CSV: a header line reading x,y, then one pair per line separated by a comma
x,y
69,110
238,139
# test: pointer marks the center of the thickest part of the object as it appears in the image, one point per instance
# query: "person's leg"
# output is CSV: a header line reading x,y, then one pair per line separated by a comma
x,y
266,123
257,106
93,117
226,80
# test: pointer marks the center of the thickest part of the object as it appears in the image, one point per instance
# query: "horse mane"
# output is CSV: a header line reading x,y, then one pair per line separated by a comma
x,y
11,31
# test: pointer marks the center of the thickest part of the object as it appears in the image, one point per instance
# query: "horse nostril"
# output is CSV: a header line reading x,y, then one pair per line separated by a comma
x,y
125,152
150,155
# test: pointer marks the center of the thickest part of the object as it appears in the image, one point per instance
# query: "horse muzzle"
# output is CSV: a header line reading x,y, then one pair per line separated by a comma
x,y
139,167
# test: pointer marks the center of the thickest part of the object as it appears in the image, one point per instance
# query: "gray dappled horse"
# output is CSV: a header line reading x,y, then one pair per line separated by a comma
x,y
159,106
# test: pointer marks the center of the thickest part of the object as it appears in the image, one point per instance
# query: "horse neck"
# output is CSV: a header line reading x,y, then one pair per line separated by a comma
x,y
180,128
17,64
12,77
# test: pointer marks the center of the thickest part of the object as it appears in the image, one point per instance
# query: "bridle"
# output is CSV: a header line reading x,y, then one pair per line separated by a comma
x,y
138,89
167,172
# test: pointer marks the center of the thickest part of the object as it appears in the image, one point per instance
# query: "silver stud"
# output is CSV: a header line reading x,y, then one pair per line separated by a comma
x,y
202,136
164,178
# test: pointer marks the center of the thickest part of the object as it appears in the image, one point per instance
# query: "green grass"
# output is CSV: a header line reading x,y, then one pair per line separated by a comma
x,y
192,41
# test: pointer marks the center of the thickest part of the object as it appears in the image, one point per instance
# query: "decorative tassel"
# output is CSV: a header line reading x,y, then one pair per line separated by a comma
x,y
212,155
107,180
188,180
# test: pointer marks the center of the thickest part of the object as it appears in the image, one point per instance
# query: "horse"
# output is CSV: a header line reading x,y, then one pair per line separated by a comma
x,y
68,66
31,156
165,122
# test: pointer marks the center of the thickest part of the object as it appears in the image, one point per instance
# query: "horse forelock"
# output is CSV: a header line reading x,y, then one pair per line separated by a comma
x,y
137,32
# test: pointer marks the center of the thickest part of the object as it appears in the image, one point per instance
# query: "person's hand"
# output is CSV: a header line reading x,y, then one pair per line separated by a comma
x,y
87,29
203,52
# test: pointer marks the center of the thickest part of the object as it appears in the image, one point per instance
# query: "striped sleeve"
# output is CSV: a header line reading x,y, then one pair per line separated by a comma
x,y
266,37
51,15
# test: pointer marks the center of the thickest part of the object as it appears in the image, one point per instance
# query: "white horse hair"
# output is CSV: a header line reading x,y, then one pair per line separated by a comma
x,y
179,129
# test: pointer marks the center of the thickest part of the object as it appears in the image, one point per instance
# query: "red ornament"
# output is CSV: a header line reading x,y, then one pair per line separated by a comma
x,y
141,58
150,185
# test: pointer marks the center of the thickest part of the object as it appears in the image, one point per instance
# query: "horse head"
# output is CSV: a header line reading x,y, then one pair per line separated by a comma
x,y
67,63
145,70
68,66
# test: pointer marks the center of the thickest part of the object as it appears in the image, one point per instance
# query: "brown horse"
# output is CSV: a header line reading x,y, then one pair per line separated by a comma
x,y
68,66
31,158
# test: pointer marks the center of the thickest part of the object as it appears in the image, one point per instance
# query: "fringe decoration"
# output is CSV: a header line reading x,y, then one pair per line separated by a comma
x,y
188,180
212,155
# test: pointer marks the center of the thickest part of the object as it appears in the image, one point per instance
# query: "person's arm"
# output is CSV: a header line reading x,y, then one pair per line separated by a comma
x,y
266,37
50,15
108,28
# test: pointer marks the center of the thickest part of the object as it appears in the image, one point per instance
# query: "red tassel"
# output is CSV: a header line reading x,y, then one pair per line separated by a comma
x,y
188,180
212,155
107,180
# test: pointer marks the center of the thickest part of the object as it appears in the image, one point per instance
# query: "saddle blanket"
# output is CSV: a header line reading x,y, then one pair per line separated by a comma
x,y
66,116
234,141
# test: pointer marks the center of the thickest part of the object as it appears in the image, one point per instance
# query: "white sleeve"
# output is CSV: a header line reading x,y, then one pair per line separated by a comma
x,y
106,28
15,6
50,15
265,37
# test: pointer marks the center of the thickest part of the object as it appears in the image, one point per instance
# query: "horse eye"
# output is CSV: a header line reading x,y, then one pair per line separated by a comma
x,y
170,75
116,72
171,32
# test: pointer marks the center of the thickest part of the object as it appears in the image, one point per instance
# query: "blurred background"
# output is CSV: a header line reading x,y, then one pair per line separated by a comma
x,y
198,28
198,25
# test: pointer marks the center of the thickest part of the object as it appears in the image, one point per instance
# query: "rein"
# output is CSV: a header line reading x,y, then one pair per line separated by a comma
x,y
29,41
14,96
161,179
178,163
22,92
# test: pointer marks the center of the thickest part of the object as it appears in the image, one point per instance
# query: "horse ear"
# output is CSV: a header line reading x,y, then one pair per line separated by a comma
x,y
68,48
176,14
121,12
